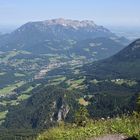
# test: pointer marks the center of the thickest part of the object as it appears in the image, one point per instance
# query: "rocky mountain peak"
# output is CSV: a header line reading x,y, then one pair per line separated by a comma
x,y
71,23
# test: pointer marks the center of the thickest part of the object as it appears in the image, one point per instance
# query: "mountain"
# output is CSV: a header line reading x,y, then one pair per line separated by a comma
x,y
59,29
50,33
130,53
125,64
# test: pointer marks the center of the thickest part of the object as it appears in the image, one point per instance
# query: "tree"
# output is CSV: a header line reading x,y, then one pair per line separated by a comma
x,y
137,112
81,116
138,105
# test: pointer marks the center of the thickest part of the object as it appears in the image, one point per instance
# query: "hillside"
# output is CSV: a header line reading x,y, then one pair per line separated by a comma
x,y
124,64
98,48
44,106
43,109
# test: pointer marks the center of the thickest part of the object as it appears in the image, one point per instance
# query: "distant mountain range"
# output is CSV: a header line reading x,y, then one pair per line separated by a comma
x,y
61,36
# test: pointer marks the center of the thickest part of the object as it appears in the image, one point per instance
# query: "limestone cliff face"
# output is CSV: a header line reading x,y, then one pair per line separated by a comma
x,y
61,109
62,113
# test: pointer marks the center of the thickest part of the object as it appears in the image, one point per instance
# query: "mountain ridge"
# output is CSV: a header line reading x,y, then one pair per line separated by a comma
x,y
68,22
123,64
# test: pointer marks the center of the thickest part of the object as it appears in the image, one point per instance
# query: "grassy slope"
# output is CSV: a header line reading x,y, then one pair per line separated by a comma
x,y
128,126
10,88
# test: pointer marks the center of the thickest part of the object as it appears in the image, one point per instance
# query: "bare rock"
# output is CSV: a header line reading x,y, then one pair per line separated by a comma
x,y
114,137
110,137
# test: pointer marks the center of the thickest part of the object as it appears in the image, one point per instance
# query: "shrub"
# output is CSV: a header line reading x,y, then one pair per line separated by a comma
x,y
81,117
138,105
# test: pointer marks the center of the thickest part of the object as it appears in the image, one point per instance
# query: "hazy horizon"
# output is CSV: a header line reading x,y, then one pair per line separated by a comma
x,y
107,13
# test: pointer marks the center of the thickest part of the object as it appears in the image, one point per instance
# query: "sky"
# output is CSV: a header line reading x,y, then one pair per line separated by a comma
x,y
102,12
